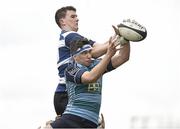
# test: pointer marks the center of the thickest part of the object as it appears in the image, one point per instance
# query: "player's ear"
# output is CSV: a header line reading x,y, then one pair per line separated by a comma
x,y
61,22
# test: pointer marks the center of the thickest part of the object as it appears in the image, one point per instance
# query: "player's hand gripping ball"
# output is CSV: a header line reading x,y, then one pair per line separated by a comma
x,y
132,30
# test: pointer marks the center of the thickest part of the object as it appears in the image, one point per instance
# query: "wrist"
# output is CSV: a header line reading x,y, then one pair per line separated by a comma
x,y
121,41
108,56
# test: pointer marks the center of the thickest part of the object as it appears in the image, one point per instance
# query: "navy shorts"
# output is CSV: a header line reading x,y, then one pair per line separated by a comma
x,y
72,121
60,102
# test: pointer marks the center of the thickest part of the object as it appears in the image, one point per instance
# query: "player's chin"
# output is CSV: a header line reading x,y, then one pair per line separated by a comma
x,y
76,28
87,63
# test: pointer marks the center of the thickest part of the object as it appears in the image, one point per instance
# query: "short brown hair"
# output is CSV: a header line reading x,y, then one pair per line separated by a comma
x,y
61,13
79,43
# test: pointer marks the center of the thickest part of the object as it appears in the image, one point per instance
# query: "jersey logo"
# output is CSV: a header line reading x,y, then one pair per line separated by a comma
x,y
92,87
73,71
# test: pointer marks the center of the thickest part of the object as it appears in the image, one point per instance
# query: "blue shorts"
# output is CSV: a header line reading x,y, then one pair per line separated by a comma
x,y
72,121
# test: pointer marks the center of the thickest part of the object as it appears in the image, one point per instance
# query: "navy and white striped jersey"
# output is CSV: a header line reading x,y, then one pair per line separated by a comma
x,y
84,99
66,37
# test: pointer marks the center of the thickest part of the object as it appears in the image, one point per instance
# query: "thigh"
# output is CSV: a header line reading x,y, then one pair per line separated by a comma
x,y
60,102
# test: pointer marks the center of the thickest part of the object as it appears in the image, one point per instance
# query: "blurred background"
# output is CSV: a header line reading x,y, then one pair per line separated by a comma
x,y
143,93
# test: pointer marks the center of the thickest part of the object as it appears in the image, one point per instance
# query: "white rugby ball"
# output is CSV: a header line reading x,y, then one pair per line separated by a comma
x,y
132,31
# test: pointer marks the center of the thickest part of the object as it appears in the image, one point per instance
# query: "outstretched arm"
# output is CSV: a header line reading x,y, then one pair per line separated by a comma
x,y
100,49
122,56
99,69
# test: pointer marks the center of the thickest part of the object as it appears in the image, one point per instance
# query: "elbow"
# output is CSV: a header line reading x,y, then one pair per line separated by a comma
x,y
126,57
127,53
91,79
88,79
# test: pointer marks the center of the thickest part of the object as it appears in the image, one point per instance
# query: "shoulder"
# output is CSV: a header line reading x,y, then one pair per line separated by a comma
x,y
74,72
72,69
68,34
72,35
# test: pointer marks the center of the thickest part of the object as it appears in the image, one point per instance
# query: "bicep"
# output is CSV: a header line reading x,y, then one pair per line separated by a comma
x,y
110,67
86,77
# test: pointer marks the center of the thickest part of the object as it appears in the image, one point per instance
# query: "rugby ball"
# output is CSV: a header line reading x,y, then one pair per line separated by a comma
x,y
132,30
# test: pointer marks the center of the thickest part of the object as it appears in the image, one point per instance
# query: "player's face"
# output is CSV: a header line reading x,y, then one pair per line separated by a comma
x,y
84,58
70,22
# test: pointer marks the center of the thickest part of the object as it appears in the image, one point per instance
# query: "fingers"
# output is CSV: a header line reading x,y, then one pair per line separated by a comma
x,y
103,122
102,117
112,42
116,30
115,40
113,46
118,49
110,39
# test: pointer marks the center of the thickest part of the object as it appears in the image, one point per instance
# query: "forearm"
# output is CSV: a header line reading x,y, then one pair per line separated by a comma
x,y
122,56
97,71
99,49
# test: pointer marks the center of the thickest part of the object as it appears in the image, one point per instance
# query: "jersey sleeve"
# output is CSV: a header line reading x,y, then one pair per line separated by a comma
x,y
110,67
73,37
73,74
